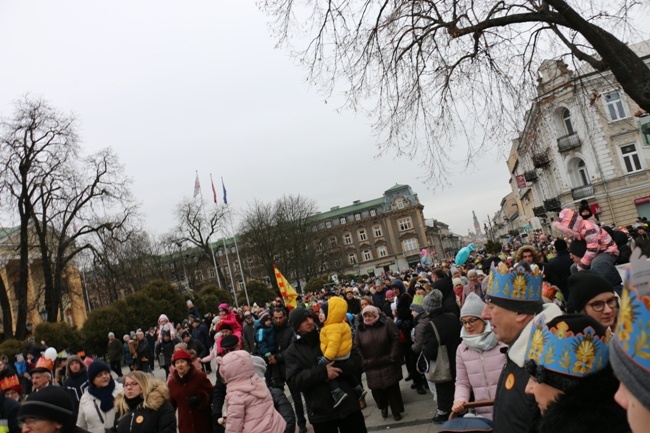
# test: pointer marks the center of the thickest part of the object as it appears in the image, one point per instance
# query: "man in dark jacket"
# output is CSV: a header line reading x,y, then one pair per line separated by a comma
x,y
354,304
201,333
306,376
194,345
115,354
143,353
510,308
152,339
558,269
448,328
248,333
442,281
405,324
284,336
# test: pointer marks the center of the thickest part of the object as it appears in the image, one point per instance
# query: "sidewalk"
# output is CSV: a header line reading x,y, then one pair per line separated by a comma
x,y
419,410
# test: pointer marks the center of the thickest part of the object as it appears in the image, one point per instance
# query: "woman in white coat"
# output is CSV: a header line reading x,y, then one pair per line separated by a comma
x,y
97,404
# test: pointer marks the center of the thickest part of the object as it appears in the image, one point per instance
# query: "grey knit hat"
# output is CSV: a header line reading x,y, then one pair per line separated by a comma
x,y
432,301
473,306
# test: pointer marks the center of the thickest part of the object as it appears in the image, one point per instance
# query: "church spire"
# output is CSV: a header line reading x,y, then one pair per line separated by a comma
x,y
477,226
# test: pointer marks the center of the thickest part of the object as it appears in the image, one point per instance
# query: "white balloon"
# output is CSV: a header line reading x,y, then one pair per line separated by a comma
x,y
50,354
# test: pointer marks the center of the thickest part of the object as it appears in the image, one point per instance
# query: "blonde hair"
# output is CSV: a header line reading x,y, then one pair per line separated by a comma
x,y
147,383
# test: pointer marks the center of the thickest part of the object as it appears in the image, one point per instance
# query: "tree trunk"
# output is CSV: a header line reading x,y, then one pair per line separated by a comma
x,y
5,305
628,68
23,273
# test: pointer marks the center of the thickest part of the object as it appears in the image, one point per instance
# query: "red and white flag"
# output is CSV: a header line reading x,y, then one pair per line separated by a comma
x,y
214,191
197,186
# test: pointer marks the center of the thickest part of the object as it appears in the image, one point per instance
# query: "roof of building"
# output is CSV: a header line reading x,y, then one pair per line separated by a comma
x,y
346,210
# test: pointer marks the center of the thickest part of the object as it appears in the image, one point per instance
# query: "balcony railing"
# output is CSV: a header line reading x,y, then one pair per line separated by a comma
x,y
568,142
539,211
553,205
582,192
530,175
541,160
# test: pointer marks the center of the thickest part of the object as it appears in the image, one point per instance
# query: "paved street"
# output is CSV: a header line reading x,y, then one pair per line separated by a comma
x,y
416,418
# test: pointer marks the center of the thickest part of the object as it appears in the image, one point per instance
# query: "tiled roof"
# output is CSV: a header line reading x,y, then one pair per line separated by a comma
x,y
347,210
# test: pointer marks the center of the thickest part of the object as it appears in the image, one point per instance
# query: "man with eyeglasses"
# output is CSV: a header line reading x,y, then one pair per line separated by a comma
x,y
594,296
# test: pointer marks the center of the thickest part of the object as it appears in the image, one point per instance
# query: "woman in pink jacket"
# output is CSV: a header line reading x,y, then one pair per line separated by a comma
x,y
479,360
249,401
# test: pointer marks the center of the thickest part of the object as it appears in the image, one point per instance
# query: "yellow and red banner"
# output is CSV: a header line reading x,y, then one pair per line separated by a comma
x,y
288,293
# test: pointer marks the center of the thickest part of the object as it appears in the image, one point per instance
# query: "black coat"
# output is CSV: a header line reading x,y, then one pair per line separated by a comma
x,y
514,410
9,413
354,306
306,376
558,272
587,408
284,336
162,420
446,287
448,327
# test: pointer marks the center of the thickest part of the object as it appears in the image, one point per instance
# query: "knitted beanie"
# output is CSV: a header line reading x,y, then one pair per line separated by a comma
x,y
473,306
297,316
95,368
181,354
584,286
432,301
229,341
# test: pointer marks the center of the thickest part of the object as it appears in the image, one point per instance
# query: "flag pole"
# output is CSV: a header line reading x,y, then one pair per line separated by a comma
x,y
205,215
241,265
232,281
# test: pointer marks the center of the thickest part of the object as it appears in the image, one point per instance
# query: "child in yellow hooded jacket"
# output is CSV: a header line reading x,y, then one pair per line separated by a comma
x,y
336,345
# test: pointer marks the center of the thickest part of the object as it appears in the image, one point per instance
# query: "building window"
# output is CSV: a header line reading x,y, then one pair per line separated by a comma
x,y
240,284
342,220
373,212
410,244
362,235
211,273
314,228
233,250
357,217
352,258
319,247
631,158
582,173
614,105
220,253
328,224
377,230
250,262
333,242
347,239
198,275
381,250
337,263
237,268
566,119
400,203
405,224
173,266
367,255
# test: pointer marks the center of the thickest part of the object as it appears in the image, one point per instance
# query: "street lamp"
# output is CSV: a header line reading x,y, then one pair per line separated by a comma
x,y
43,314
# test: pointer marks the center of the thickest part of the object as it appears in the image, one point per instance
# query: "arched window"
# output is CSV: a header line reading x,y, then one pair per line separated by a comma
x,y
583,176
566,120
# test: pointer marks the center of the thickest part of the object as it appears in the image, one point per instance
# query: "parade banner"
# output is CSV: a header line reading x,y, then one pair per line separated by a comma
x,y
288,293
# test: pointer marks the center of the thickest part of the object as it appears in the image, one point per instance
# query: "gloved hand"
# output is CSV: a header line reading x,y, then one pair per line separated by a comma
x,y
194,401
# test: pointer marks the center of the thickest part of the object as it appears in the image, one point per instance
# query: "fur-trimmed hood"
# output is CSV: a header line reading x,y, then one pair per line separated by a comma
x,y
156,398
590,407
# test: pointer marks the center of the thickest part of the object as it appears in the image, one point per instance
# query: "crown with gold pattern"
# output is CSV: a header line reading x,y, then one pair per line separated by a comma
x,y
576,352
518,283
10,382
633,326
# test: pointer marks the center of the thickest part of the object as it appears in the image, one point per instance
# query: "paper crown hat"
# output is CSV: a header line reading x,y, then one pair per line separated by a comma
x,y
632,335
43,365
569,345
519,283
11,382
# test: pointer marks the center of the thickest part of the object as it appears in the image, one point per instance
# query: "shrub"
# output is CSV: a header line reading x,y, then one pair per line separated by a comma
x,y
316,284
208,298
10,348
258,292
59,335
113,318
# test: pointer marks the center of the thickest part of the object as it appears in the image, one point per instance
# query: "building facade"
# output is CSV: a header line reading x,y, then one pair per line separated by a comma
x,y
583,139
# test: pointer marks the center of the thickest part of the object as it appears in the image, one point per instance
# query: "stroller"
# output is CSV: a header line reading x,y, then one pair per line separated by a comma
x,y
469,424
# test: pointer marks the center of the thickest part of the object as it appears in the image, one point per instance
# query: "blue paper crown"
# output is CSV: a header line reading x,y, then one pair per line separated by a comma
x,y
560,350
633,325
517,284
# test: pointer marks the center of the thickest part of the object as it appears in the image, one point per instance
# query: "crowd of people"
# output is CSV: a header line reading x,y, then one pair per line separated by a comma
x,y
546,337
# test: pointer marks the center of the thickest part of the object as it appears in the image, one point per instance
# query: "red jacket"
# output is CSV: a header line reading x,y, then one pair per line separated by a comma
x,y
181,389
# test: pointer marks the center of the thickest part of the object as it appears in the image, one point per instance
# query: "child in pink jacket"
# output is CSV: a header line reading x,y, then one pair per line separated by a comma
x,y
249,401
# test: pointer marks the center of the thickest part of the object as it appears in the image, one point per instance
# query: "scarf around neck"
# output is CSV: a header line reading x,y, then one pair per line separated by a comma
x,y
480,342
104,395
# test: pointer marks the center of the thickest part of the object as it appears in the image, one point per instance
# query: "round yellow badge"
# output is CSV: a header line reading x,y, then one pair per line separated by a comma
x,y
510,381
139,419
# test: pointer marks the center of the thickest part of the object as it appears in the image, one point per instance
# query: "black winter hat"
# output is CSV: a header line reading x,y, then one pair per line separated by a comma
x,y
52,403
325,307
229,341
578,248
297,316
584,286
95,368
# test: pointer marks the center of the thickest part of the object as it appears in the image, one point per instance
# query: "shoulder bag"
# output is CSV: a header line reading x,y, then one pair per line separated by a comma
x,y
437,371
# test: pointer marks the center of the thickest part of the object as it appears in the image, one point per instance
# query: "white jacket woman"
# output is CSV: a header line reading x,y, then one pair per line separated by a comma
x,y
97,404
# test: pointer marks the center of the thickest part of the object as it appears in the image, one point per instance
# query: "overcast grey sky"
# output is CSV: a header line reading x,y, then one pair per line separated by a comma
x,y
176,87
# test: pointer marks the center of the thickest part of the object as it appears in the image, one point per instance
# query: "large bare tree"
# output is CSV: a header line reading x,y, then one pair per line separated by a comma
x,y
434,74
62,197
